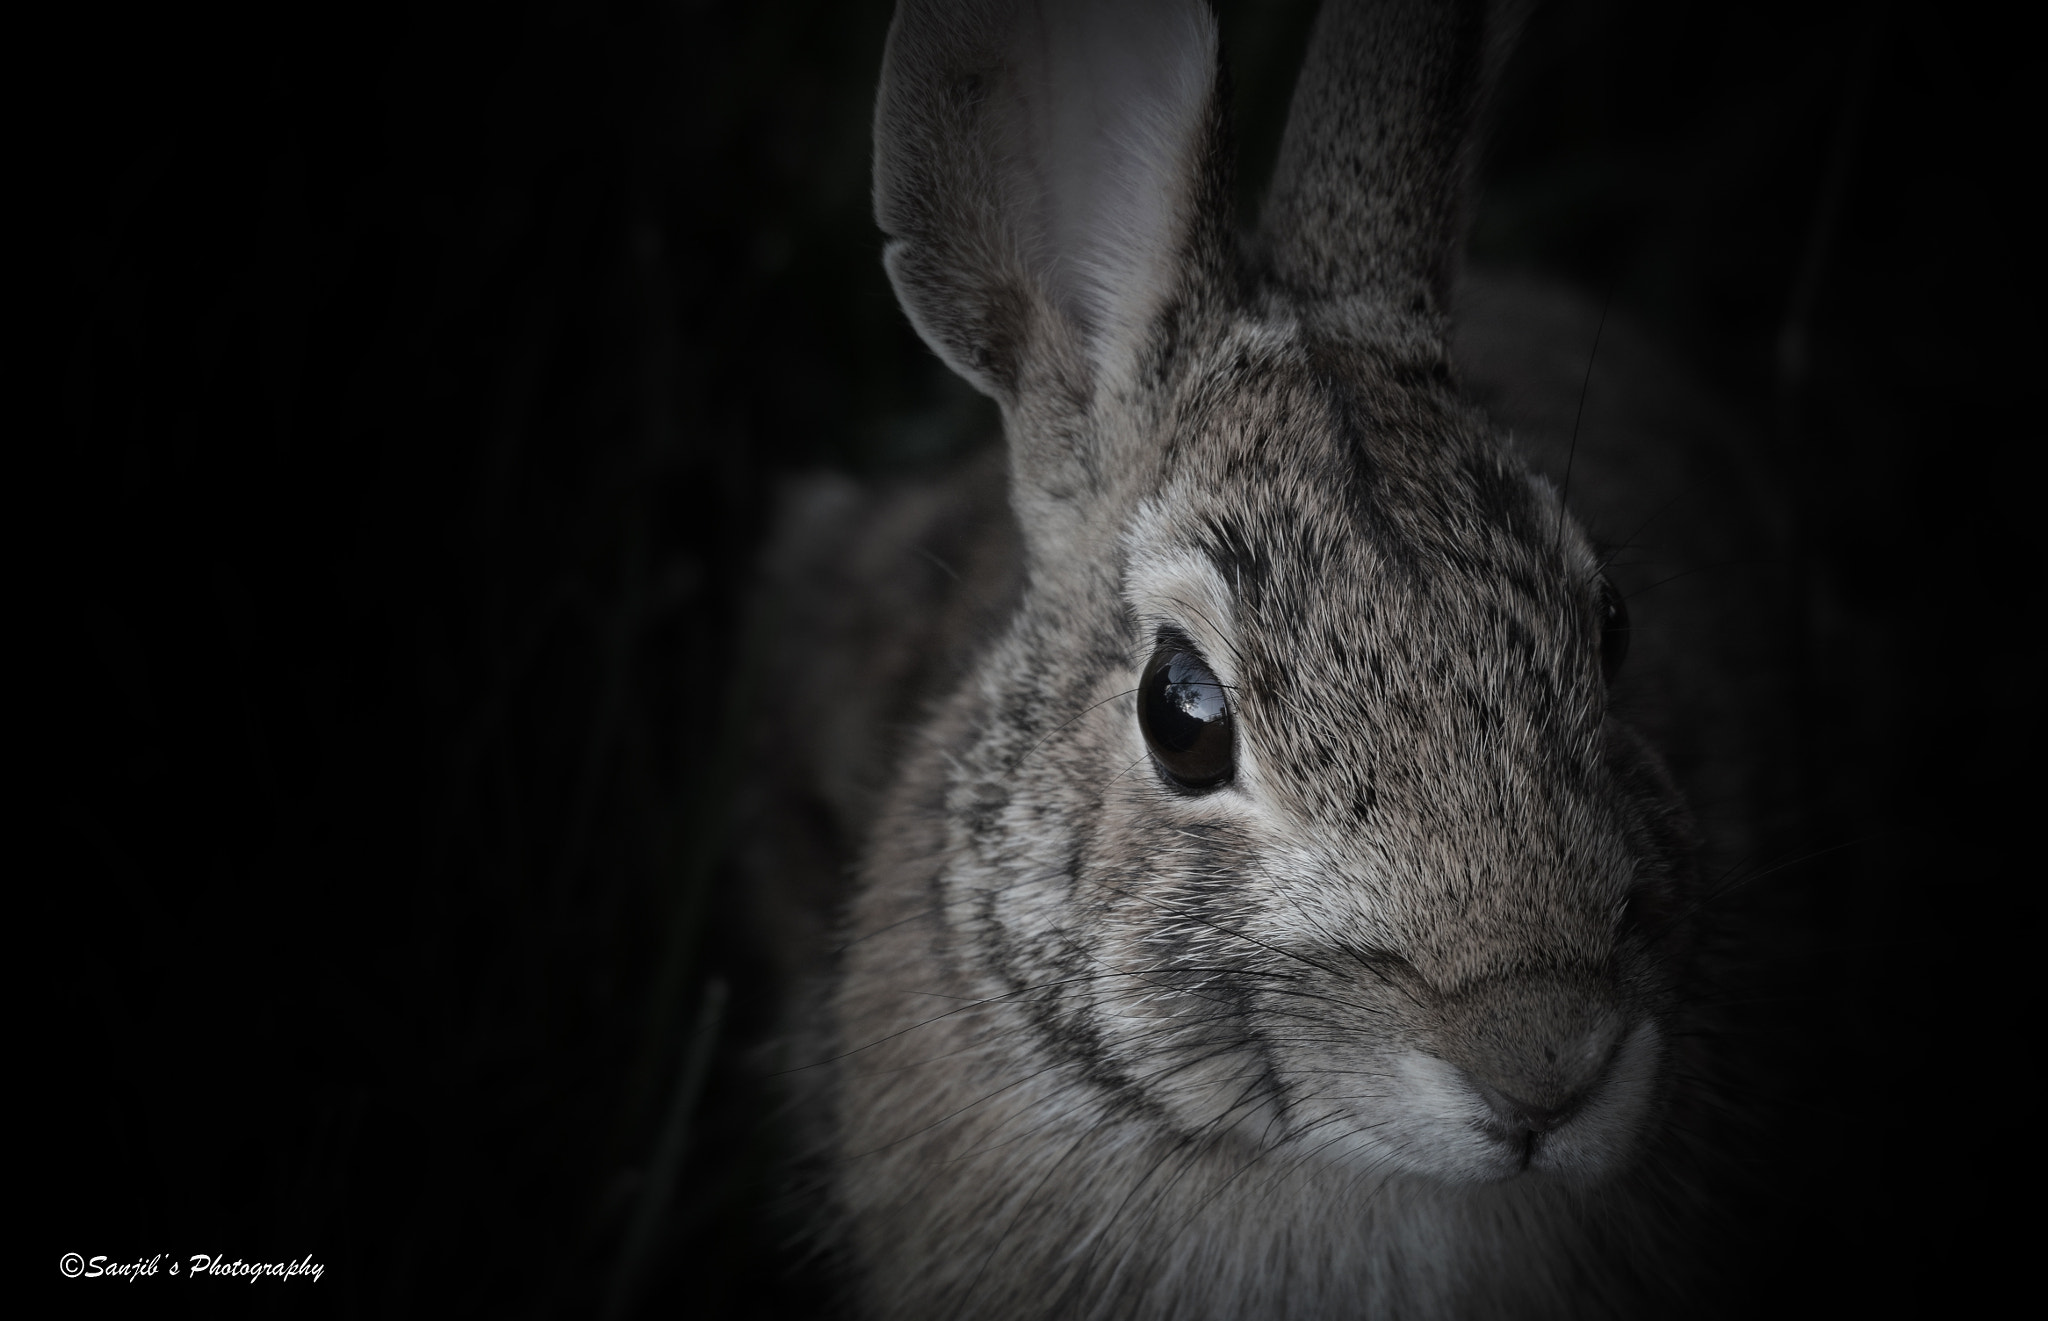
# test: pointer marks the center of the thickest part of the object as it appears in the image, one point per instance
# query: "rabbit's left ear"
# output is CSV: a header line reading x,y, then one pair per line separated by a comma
x,y
1046,172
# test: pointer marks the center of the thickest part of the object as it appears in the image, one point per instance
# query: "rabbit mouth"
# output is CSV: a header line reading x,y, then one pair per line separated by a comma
x,y
1444,1122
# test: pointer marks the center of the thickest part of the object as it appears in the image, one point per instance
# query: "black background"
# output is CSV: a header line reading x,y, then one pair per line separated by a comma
x,y
423,375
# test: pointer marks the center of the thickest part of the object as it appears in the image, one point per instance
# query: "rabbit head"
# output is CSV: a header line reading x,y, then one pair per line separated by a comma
x,y
1291,799
1286,820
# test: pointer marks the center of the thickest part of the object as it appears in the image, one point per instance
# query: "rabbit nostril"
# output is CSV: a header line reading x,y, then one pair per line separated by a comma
x,y
1519,1117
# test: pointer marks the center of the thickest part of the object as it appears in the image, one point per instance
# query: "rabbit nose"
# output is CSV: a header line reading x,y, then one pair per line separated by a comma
x,y
1537,1088
1533,1053
1518,1116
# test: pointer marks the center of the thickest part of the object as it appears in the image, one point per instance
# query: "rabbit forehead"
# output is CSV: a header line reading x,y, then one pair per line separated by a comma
x,y
1331,519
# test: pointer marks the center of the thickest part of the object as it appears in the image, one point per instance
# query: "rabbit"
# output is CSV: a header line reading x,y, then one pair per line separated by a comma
x,y
1270,898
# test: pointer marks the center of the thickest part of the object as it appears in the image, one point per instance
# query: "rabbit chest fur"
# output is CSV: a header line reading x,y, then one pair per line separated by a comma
x,y
1272,895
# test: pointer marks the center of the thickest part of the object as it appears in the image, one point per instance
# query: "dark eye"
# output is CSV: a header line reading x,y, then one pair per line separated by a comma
x,y
1186,720
1613,632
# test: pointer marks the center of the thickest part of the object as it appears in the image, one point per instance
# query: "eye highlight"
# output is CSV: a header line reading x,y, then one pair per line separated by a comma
x,y
1186,718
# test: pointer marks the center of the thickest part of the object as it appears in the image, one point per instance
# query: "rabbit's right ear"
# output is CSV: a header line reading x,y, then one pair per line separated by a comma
x,y
1366,213
1045,171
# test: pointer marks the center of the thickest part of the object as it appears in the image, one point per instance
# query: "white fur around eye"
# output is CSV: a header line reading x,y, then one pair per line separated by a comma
x,y
1171,585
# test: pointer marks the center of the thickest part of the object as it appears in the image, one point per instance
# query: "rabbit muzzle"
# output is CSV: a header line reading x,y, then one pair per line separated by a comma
x,y
1562,1073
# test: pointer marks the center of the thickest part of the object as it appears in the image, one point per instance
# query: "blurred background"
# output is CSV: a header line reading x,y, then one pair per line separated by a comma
x,y
425,373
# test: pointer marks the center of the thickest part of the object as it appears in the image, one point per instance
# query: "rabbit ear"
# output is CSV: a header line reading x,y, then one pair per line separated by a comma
x,y
1041,168
1366,208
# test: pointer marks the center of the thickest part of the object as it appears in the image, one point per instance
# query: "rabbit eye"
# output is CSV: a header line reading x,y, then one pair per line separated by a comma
x,y
1185,717
1613,632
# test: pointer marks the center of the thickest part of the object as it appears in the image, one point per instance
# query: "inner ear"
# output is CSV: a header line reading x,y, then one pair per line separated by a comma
x,y
1043,171
1123,105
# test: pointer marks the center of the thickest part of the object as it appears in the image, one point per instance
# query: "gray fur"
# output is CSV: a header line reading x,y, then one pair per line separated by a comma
x,y
1366,210
1099,1048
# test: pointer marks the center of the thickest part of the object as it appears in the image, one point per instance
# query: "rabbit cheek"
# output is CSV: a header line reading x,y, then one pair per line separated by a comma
x,y
1178,997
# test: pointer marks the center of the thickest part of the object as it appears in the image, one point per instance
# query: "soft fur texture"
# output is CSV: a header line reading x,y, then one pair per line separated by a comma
x,y
1102,1047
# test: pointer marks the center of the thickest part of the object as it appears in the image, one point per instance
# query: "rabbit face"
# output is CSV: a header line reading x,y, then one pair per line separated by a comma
x,y
1396,929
